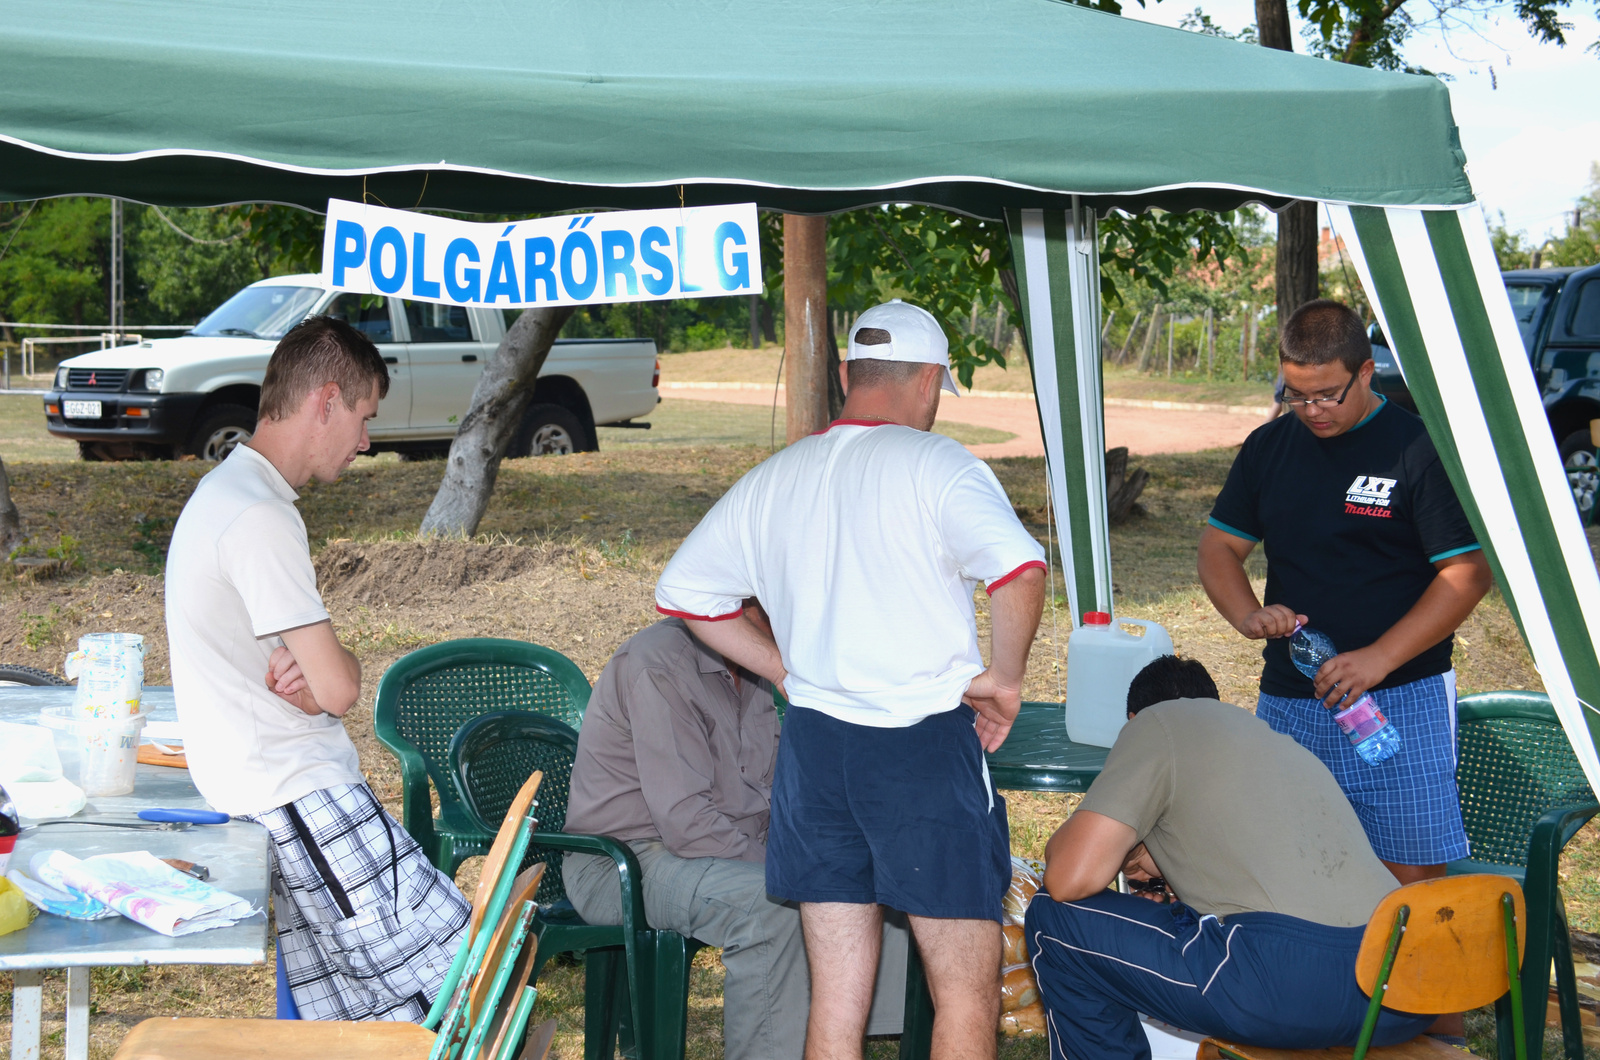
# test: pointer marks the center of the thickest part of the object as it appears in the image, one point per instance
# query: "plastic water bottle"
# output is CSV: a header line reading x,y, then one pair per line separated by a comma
x,y
1375,739
1309,649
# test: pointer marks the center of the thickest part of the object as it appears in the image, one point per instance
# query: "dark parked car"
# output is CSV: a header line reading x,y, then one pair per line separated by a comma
x,y
1558,314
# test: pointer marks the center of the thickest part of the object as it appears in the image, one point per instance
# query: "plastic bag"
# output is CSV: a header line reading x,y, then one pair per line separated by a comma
x,y
27,755
1014,948
1025,883
1017,988
1024,1021
13,908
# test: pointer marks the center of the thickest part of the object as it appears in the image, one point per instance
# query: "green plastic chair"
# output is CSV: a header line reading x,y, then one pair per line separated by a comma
x,y
636,983
1523,796
429,694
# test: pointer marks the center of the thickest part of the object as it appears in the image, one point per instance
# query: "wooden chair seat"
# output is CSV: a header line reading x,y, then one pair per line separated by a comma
x,y
174,1038
1421,1047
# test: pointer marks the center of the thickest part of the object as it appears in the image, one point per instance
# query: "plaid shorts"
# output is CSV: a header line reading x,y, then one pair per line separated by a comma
x,y
1408,805
367,926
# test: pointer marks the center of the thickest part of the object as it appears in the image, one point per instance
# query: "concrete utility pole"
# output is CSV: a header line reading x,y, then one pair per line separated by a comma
x,y
805,308
118,296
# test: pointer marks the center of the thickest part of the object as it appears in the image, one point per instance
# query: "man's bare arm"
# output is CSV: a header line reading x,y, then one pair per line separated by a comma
x,y
314,672
1221,566
996,694
739,640
1460,583
1085,855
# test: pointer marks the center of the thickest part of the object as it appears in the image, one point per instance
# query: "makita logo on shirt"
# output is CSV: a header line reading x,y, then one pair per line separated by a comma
x,y
1369,495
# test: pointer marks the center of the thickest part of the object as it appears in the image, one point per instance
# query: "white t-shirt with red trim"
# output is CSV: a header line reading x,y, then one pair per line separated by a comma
x,y
864,543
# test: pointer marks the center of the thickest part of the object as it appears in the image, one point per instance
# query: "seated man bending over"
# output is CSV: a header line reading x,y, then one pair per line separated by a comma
x,y
1273,876
676,759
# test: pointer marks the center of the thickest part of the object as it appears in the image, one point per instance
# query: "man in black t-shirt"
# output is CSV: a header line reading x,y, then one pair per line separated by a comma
x,y
1365,541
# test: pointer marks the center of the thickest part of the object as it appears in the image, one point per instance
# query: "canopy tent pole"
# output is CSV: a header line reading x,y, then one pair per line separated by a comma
x,y
1434,282
1057,259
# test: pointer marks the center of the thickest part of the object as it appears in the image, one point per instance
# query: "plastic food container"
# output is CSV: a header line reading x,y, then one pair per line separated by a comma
x,y
106,749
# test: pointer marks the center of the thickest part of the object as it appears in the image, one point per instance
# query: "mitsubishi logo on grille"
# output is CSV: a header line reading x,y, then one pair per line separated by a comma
x,y
91,379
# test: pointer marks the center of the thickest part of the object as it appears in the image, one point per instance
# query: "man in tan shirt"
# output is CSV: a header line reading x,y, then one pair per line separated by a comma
x,y
675,759
1273,876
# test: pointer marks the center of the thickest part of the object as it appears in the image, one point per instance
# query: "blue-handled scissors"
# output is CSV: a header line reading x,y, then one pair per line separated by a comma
x,y
169,816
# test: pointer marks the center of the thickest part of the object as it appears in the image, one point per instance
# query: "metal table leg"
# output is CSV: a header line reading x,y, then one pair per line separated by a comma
x,y
27,1006
77,1014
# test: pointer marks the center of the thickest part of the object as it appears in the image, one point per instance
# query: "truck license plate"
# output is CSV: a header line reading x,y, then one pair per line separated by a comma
x,y
81,410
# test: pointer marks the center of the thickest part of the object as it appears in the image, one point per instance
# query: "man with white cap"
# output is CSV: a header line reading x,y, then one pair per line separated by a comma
x,y
865,543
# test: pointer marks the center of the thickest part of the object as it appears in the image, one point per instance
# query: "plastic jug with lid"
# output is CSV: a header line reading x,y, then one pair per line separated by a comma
x,y
1103,656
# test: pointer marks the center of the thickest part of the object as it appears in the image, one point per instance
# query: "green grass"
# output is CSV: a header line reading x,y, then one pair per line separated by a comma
x,y
22,433
678,422
1121,382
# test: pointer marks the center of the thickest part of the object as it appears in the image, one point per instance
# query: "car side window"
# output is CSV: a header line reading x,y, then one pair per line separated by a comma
x,y
367,313
438,323
1586,314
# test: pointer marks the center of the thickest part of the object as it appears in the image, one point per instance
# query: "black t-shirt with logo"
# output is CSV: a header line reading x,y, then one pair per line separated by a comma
x,y
1351,527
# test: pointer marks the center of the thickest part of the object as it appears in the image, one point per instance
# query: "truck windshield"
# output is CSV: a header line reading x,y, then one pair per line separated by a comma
x,y
260,312
1527,302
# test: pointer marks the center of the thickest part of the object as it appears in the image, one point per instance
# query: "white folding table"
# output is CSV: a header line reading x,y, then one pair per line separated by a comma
x,y
236,854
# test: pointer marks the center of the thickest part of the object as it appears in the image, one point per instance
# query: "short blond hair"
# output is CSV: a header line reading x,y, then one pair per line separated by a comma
x,y
317,351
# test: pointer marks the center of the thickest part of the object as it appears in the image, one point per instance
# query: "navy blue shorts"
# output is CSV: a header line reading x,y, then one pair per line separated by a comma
x,y
904,817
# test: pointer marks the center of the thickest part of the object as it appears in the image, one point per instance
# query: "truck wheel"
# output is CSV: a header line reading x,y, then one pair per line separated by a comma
x,y
547,430
221,428
1583,471
27,675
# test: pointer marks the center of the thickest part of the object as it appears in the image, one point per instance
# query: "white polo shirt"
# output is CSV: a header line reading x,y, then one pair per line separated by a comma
x,y
238,571
864,543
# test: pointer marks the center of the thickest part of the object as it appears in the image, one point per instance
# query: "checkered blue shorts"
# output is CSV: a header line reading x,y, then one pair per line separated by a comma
x,y
1408,805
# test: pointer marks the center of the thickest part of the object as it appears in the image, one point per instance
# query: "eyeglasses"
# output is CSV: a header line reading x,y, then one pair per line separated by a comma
x,y
1323,402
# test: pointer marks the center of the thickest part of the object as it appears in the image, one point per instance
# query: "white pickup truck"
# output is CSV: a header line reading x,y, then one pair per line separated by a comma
x,y
198,393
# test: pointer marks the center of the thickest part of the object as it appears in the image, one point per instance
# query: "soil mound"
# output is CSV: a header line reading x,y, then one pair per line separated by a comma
x,y
400,573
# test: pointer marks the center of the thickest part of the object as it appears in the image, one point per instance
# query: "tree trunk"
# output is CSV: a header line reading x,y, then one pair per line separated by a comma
x,y
10,522
1272,24
1297,222
835,388
502,395
1297,258
806,324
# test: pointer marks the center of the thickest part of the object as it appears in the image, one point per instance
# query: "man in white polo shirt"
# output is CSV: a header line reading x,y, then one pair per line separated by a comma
x,y
366,926
865,543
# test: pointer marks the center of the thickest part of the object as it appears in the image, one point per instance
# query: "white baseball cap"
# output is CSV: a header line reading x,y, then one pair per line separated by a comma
x,y
914,336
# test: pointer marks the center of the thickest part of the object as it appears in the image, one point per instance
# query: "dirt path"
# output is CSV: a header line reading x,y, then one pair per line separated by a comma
x,y
1142,430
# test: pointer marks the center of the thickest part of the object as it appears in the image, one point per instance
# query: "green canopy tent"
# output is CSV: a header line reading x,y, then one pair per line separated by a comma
x,y
1037,111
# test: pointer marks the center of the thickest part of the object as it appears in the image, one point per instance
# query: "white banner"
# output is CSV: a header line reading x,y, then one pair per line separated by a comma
x,y
580,259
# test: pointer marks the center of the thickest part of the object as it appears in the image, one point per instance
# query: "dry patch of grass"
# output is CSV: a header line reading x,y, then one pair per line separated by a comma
x,y
569,554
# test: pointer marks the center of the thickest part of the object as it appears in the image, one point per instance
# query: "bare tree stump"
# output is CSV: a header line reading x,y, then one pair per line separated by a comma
x,y
11,535
502,395
1122,489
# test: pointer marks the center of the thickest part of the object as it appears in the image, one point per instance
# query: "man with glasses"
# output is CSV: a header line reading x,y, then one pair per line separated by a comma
x,y
1365,541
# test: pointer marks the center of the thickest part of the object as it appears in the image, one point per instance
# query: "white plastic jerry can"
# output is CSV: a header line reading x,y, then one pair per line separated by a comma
x,y
1102,659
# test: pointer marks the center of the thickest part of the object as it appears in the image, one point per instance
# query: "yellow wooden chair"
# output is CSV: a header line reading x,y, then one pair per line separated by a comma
x,y
481,1013
1445,945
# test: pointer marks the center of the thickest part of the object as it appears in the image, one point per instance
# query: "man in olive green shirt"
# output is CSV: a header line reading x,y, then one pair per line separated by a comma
x,y
1273,876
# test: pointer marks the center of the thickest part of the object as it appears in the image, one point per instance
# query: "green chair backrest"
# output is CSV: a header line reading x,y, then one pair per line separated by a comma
x,y
430,693
493,755
1515,763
